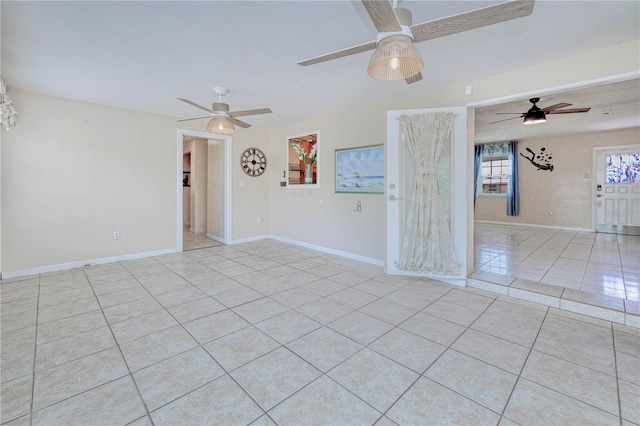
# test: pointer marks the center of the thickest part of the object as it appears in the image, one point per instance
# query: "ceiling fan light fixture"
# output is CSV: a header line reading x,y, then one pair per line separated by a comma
x,y
220,124
395,58
535,116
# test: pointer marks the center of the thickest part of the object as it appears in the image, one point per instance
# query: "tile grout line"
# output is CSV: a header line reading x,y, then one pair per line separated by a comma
x,y
615,363
290,309
524,364
574,363
323,325
35,353
590,245
323,374
144,404
34,372
200,345
261,356
422,375
353,310
582,281
447,348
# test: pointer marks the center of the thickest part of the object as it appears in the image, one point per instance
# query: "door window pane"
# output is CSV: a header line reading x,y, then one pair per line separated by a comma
x,y
623,168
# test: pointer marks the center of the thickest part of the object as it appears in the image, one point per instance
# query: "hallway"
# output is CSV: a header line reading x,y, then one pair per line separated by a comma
x,y
193,241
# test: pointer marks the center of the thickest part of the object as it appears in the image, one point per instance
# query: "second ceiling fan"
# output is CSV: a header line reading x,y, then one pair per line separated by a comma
x,y
222,120
395,56
539,115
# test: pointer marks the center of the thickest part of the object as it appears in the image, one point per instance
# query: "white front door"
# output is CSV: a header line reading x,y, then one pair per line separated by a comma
x,y
399,180
617,189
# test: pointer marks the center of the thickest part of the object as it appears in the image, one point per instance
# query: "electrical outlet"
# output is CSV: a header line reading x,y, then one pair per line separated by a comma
x,y
116,235
259,220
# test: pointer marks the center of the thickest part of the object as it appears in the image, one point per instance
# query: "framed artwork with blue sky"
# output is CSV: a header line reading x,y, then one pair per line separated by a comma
x,y
360,170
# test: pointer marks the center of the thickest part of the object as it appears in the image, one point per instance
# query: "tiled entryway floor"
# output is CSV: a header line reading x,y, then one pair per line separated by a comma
x,y
606,264
193,241
269,333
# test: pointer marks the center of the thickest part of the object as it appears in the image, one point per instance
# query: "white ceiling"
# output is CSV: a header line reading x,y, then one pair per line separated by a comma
x,y
613,106
143,55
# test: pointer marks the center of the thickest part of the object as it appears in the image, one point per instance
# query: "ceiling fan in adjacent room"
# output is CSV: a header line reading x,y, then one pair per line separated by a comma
x,y
395,56
539,115
223,120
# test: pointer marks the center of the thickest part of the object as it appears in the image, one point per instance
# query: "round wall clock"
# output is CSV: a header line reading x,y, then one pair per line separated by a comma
x,y
253,162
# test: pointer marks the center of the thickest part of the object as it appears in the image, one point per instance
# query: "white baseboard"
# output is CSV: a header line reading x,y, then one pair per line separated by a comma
x,y
250,239
533,225
198,230
340,253
78,264
81,263
215,238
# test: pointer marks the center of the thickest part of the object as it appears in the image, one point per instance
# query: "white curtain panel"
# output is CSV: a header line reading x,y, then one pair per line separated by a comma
x,y
427,245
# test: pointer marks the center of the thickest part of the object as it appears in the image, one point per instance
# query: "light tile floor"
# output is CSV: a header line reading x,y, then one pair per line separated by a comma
x,y
268,333
193,241
605,264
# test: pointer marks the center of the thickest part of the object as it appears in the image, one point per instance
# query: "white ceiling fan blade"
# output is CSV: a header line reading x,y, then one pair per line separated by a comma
x,y
195,104
471,20
414,78
382,15
249,112
340,53
239,123
194,118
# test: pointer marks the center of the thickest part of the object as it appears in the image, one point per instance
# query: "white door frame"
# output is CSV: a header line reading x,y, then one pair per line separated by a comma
x,y
460,201
183,133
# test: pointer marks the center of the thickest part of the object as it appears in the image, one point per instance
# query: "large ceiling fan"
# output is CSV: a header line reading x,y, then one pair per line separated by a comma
x,y
223,120
539,115
395,56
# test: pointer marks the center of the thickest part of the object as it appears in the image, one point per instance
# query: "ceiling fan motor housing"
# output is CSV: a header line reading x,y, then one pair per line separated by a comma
x,y
220,106
404,16
535,114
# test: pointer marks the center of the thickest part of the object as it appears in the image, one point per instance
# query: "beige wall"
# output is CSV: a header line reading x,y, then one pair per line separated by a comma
x,y
72,172
199,174
299,214
215,189
562,191
250,195
319,216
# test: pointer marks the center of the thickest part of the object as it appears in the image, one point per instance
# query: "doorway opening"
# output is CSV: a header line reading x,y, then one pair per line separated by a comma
x,y
452,215
204,190
550,251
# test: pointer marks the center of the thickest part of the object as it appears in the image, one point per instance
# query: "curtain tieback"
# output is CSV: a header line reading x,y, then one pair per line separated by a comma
x,y
426,170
